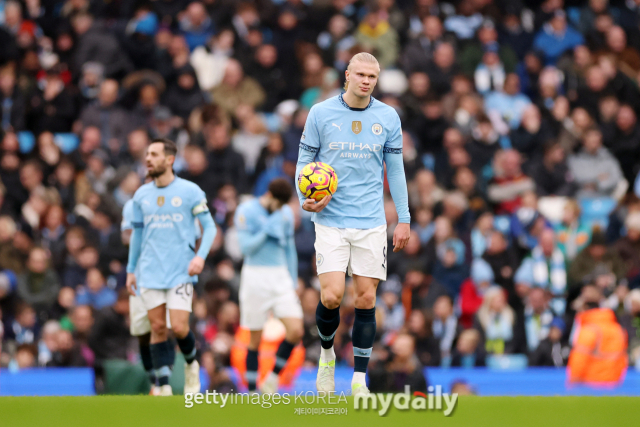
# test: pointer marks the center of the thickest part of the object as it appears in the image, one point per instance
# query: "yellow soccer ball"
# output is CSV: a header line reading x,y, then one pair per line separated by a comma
x,y
317,180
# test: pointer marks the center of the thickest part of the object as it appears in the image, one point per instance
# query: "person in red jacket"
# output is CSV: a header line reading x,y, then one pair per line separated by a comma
x,y
472,290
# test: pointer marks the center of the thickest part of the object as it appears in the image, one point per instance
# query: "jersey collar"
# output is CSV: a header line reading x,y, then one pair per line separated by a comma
x,y
344,104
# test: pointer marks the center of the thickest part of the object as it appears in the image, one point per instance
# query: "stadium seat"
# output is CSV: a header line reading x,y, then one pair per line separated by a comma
x,y
27,141
552,208
66,141
596,211
573,15
507,361
502,223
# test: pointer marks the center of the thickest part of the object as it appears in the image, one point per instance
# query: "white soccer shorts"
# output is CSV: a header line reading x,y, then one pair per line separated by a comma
x,y
352,250
176,298
138,318
265,290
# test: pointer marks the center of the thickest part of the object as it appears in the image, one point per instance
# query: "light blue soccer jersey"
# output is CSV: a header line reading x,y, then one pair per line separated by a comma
x,y
166,216
267,239
356,143
127,219
127,216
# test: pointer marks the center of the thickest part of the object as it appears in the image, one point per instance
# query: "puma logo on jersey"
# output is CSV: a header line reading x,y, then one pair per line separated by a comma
x,y
337,126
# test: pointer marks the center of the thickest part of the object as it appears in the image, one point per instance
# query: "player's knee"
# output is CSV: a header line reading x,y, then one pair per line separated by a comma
x,y
331,299
365,300
295,333
159,330
180,330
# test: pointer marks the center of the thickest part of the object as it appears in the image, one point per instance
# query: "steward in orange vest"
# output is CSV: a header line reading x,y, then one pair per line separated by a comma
x,y
599,354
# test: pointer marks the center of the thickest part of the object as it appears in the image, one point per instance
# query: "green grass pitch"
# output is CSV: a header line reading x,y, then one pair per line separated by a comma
x,y
143,411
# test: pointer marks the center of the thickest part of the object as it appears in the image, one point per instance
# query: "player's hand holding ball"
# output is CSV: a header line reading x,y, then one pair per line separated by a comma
x,y
131,284
195,266
317,182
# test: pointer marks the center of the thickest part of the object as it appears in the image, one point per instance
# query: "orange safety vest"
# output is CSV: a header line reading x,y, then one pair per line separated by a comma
x,y
266,358
599,354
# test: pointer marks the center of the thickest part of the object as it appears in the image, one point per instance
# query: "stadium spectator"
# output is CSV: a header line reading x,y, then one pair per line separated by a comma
x,y
628,247
496,322
485,54
551,351
419,52
445,325
509,183
551,173
107,116
571,234
68,353
184,94
506,106
39,285
629,321
594,170
442,68
109,334
597,264
469,352
546,268
391,307
556,37
402,368
376,35
599,355
426,345
473,290
236,89
537,318
95,294
196,25
96,44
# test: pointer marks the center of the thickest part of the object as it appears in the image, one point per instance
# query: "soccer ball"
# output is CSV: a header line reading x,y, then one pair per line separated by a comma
x,y
317,180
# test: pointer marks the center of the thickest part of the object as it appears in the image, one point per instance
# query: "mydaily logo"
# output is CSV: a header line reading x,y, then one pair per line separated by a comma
x,y
433,400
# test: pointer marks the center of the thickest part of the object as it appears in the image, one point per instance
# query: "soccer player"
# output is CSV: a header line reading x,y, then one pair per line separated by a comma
x,y
163,249
139,325
269,276
357,135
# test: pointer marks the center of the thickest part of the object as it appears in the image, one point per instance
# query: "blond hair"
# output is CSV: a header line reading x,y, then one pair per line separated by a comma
x,y
365,57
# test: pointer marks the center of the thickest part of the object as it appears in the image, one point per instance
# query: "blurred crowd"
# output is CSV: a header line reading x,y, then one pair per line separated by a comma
x,y
521,150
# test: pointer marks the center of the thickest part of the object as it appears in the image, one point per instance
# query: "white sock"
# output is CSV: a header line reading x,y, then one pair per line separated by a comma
x,y
359,378
327,354
272,377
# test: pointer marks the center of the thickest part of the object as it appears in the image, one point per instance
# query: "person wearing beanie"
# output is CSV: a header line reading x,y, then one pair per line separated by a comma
x,y
599,264
552,351
628,247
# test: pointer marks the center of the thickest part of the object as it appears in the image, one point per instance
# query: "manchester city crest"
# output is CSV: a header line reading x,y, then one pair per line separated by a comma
x,y
376,129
